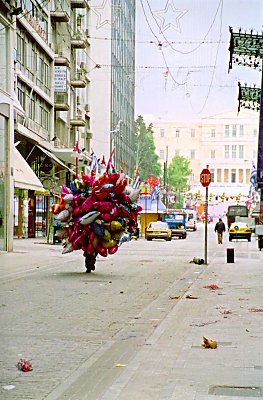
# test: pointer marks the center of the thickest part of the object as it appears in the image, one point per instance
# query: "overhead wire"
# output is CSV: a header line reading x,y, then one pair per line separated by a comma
x,y
221,2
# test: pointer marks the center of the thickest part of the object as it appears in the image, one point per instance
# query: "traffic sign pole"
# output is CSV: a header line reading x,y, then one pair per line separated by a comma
x,y
205,179
206,215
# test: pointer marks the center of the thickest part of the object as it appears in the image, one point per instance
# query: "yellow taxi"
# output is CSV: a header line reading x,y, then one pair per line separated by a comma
x,y
239,230
158,230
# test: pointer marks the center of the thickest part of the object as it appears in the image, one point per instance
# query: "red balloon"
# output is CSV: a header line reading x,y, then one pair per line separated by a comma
x,y
113,249
102,251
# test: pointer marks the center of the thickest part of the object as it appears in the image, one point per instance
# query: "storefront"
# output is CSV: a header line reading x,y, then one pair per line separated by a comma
x,y
28,194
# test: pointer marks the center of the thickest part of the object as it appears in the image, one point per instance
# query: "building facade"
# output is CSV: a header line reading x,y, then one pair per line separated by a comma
x,y
227,142
51,90
113,76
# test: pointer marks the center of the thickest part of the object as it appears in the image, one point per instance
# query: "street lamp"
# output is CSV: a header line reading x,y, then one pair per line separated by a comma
x,y
114,132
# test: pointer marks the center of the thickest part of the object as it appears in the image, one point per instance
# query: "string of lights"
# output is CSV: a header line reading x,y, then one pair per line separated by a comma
x,y
160,47
170,43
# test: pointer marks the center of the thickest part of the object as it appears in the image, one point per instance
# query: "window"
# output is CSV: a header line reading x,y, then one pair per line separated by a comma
x,y
213,154
234,130
213,132
219,175
234,151
162,132
226,175
177,133
233,175
21,97
192,154
192,133
240,175
212,175
241,130
248,173
20,55
226,151
226,130
4,62
241,151
162,154
255,132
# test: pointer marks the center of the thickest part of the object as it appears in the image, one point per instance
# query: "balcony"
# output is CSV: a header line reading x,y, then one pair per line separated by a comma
x,y
61,101
79,80
59,16
79,41
79,4
61,59
77,121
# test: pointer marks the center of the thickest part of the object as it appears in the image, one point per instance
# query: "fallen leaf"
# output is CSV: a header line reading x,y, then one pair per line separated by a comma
x,y
209,344
253,309
120,365
189,296
174,297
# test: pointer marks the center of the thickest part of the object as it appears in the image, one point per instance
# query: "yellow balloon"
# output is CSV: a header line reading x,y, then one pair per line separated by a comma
x,y
114,226
107,235
109,243
95,242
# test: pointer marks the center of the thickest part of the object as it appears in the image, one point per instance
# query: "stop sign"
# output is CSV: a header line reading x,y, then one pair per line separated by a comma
x,y
205,177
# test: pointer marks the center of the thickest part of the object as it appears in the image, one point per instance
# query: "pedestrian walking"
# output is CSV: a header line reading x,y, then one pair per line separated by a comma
x,y
220,228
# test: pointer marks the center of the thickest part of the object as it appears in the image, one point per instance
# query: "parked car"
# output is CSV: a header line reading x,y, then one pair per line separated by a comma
x,y
239,230
191,225
176,220
158,230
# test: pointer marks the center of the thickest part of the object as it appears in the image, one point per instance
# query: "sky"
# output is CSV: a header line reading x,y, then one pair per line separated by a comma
x,y
182,56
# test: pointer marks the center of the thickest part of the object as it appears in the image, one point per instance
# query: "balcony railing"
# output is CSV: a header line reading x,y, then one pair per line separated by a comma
x,y
59,16
61,101
79,80
79,4
79,41
78,120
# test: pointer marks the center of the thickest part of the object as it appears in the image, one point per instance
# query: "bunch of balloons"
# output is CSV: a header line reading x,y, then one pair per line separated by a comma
x,y
96,215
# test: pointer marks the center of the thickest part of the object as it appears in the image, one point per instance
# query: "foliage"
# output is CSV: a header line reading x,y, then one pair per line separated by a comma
x,y
146,159
178,173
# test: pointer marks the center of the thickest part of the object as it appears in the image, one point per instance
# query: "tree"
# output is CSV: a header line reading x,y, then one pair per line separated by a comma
x,y
177,174
146,160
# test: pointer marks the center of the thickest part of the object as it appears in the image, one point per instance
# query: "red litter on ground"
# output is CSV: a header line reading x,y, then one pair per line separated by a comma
x,y
24,365
212,287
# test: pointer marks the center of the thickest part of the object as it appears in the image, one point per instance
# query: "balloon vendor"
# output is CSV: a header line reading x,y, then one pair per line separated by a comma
x,y
96,215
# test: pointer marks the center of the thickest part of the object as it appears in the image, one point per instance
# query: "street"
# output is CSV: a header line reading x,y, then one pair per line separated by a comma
x,y
127,330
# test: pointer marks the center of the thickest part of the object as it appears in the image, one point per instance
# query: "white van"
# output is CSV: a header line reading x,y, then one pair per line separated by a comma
x,y
191,220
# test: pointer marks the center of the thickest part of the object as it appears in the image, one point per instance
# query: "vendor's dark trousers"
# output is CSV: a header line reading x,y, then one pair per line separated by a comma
x,y
90,261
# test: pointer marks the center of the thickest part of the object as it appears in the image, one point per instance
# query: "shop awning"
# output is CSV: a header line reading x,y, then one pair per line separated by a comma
x,y
24,176
69,156
55,159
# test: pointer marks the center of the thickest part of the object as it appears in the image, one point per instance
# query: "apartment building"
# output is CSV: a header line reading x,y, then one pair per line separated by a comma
x,y
112,36
227,142
50,92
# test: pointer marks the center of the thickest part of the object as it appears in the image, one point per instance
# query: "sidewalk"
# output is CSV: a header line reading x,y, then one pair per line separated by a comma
x,y
158,349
